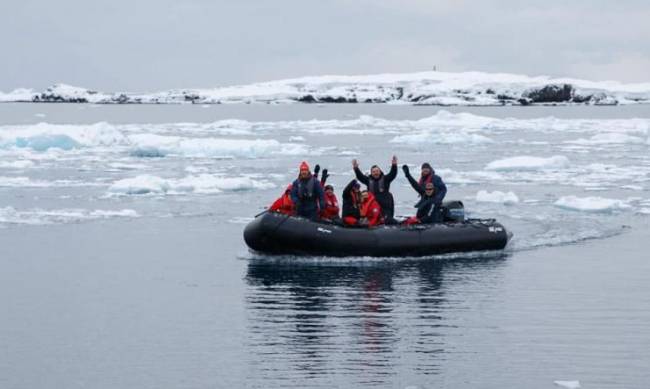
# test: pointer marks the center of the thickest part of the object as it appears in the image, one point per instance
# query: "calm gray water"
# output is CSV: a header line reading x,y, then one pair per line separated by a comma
x,y
123,264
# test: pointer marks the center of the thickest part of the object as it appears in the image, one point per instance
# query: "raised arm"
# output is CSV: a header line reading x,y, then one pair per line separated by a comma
x,y
323,178
416,186
392,173
357,172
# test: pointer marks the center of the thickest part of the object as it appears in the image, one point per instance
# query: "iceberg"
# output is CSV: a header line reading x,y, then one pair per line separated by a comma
x,y
421,88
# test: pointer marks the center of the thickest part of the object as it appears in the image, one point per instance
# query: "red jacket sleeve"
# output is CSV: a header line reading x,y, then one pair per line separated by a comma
x,y
277,204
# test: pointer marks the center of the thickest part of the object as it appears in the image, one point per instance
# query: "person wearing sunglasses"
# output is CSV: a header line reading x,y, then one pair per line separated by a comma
x,y
432,191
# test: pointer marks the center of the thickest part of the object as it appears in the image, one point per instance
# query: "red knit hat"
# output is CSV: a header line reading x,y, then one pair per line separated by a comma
x,y
304,166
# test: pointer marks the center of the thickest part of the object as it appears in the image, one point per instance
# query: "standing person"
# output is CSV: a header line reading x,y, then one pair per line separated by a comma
x,y
371,214
428,176
284,204
307,194
351,203
379,185
331,210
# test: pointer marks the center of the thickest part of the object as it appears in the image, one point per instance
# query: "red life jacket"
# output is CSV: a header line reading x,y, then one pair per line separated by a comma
x,y
371,210
331,206
284,204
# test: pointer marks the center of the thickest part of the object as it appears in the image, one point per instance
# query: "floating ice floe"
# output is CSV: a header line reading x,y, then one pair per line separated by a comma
x,y
608,139
151,145
45,136
526,163
429,138
568,384
26,182
497,197
423,88
23,164
37,216
591,204
200,184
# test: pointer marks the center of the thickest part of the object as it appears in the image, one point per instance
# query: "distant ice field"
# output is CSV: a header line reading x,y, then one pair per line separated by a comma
x,y
551,180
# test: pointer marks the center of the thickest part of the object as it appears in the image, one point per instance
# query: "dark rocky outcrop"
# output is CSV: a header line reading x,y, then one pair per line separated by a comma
x,y
550,94
306,99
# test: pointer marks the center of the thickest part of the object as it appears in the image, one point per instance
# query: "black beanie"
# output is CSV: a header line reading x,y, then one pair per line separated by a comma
x,y
426,165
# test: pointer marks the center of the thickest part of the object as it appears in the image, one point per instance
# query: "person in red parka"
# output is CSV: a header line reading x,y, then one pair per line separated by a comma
x,y
284,204
331,211
371,213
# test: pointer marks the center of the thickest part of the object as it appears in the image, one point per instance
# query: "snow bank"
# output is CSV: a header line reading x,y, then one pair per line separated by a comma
x,y
202,184
434,88
528,163
590,204
497,197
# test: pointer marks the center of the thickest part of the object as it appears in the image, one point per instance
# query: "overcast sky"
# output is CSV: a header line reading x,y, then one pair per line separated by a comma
x,y
146,45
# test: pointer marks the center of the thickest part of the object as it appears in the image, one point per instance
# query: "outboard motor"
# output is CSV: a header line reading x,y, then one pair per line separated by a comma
x,y
453,211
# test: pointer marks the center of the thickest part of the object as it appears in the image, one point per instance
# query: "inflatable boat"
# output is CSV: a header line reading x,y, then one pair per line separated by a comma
x,y
276,233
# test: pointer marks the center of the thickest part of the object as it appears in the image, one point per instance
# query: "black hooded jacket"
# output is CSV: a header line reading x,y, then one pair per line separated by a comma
x,y
380,187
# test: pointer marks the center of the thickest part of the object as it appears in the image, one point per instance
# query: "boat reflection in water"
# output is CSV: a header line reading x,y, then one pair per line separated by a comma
x,y
357,323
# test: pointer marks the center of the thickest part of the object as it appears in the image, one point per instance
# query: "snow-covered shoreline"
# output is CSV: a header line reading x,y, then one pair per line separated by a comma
x,y
424,88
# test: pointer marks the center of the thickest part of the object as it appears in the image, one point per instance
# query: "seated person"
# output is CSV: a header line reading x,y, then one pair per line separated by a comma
x,y
331,210
351,204
284,204
371,214
428,212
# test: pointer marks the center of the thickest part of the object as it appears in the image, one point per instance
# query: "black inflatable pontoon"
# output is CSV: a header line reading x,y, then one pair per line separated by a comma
x,y
275,233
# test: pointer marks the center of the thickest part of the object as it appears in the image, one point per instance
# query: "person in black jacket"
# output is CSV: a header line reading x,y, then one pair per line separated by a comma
x,y
351,212
432,191
379,185
428,210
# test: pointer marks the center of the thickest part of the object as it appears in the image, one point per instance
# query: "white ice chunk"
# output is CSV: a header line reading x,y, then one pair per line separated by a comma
x,y
429,138
568,384
151,145
529,163
142,184
202,184
609,138
591,204
497,197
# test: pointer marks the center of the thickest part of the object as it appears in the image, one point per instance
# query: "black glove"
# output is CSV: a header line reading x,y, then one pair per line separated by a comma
x,y
406,169
316,169
325,175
